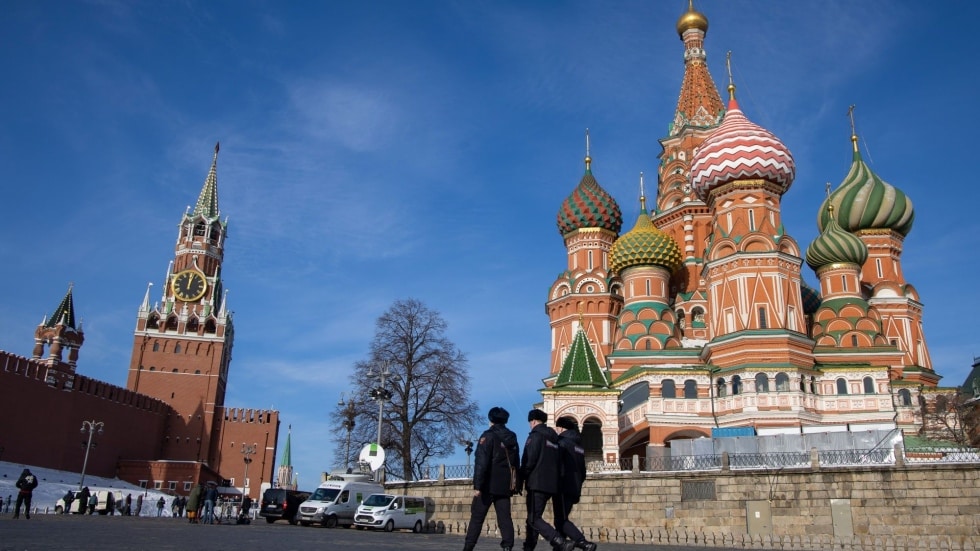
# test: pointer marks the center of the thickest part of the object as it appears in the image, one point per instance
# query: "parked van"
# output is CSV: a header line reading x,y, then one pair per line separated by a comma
x,y
279,503
391,513
336,501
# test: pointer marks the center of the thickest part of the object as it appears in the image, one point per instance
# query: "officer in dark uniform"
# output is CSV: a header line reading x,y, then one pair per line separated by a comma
x,y
539,474
496,454
571,478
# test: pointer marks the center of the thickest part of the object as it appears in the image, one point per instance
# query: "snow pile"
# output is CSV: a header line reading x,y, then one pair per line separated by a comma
x,y
53,485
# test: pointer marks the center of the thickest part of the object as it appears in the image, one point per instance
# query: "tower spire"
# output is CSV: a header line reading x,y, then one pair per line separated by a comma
x,y
588,152
64,314
643,198
854,137
207,202
731,79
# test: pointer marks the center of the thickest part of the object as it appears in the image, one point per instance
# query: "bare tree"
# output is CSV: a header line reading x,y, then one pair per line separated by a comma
x,y
424,401
952,416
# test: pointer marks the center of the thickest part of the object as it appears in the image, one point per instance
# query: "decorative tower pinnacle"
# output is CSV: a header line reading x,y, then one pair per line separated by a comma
x,y
207,201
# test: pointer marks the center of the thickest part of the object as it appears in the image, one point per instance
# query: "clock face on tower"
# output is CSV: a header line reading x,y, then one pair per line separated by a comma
x,y
189,285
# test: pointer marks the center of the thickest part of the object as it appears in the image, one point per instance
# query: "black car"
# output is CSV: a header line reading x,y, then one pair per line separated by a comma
x,y
278,503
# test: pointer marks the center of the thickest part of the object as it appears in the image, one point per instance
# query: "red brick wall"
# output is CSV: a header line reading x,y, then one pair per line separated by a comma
x,y
42,423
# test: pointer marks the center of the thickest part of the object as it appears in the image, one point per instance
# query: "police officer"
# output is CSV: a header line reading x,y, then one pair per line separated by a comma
x,y
496,454
539,474
571,478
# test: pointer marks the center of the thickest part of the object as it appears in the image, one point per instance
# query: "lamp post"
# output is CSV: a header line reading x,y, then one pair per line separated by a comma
x,y
381,394
247,452
90,426
349,414
468,449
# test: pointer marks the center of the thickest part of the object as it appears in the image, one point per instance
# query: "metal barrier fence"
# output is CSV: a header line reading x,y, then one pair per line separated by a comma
x,y
736,461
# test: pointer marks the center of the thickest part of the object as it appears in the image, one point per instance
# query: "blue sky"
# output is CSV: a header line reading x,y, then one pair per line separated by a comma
x,y
375,151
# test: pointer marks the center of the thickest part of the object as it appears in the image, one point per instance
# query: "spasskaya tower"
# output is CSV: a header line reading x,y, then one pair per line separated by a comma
x,y
182,345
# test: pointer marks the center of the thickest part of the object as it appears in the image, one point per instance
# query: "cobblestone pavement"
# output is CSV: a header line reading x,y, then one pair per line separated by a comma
x,y
77,533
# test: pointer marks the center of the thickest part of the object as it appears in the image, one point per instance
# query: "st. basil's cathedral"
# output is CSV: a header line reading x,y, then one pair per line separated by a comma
x,y
698,318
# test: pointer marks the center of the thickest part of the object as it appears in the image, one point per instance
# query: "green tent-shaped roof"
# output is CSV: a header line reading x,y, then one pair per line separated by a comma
x,y
581,369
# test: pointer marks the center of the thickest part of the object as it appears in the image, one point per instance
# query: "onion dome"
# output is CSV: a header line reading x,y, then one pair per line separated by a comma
x,y
835,246
644,245
589,206
864,201
692,19
811,299
738,150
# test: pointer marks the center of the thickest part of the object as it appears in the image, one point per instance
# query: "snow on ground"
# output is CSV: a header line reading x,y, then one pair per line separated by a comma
x,y
53,485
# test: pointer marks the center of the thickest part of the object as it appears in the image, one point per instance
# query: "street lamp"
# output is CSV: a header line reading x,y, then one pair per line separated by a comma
x,y
381,394
90,426
247,452
468,450
349,414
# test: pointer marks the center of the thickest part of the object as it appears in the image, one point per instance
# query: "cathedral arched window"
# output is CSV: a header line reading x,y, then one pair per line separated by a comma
x,y
869,385
782,382
813,385
210,327
172,323
192,325
668,389
736,385
904,397
200,229
690,389
156,346
722,387
177,348
842,386
761,382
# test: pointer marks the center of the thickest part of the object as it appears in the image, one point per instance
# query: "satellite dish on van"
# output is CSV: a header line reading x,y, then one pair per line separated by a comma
x,y
373,455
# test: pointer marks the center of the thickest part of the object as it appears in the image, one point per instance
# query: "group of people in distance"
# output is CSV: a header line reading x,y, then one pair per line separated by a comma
x,y
551,469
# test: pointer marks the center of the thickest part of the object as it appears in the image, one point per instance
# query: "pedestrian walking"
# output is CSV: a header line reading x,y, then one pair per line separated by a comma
x,y
128,507
181,505
82,499
161,503
571,475
539,473
210,498
25,491
93,502
139,504
494,479
193,503
68,499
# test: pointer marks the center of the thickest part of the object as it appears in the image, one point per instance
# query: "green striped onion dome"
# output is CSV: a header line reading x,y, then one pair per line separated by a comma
x,y
834,245
811,299
589,206
644,245
865,201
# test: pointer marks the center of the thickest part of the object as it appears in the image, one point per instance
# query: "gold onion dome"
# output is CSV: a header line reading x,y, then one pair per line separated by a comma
x,y
692,19
864,201
835,246
589,206
644,245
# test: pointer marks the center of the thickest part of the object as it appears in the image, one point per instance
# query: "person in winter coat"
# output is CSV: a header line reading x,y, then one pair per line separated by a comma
x,y
497,454
161,503
193,503
83,498
571,476
25,486
210,498
110,504
539,476
139,504
128,508
68,499
93,502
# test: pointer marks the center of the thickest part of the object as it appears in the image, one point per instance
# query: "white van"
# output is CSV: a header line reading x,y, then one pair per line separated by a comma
x,y
336,501
391,513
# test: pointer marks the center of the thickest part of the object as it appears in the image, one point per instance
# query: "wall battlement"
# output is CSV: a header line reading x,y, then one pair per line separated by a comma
x,y
40,372
248,415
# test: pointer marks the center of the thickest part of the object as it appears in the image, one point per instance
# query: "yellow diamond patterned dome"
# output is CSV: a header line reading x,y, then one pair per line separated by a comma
x,y
644,245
